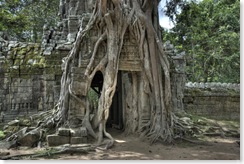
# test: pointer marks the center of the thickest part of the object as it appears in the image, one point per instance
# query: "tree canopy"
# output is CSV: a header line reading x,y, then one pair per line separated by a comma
x,y
23,20
209,33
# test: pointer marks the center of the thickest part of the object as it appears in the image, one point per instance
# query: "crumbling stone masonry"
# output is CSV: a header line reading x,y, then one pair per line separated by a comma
x,y
30,80
30,74
214,100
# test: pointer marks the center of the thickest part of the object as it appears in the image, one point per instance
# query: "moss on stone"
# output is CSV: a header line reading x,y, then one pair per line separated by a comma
x,y
31,61
194,92
22,51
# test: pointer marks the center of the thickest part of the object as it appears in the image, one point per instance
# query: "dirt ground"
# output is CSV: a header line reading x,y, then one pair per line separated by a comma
x,y
133,148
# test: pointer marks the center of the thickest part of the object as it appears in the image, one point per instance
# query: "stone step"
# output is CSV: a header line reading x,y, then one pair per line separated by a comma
x,y
68,136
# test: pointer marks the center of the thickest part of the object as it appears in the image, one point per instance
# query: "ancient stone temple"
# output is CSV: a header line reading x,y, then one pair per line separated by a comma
x,y
31,78
31,73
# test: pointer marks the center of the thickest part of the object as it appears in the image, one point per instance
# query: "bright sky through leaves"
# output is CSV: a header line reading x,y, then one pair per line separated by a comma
x,y
164,20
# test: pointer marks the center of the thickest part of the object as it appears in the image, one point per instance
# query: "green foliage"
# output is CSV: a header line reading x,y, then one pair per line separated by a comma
x,y
11,19
2,135
93,98
23,20
209,33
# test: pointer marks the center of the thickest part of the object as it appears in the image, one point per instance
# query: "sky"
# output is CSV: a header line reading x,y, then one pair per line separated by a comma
x,y
164,21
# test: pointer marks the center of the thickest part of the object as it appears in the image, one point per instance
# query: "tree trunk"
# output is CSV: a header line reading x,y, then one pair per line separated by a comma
x,y
148,92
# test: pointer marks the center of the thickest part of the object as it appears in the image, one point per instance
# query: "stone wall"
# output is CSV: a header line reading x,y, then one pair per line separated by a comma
x,y
30,73
214,100
29,79
17,98
30,82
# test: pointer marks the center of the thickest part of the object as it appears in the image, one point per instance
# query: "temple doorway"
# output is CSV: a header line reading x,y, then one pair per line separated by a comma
x,y
115,119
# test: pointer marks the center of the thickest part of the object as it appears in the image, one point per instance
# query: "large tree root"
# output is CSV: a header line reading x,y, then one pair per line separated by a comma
x,y
112,20
190,129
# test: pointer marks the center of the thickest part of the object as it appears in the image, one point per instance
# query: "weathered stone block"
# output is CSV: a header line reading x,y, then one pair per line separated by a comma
x,y
49,77
29,139
64,132
48,51
83,63
78,140
77,70
77,108
14,123
234,116
188,99
130,65
55,140
79,88
8,145
78,132
71,37
78,77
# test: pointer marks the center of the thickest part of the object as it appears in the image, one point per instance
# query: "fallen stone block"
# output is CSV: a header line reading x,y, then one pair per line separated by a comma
x,y
64,132
30,139
14,123
78,140
55,140
78,132
8,144
18,134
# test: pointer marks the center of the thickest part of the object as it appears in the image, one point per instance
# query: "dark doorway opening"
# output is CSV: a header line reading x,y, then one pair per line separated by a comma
x,y
115,119
95,91
97,82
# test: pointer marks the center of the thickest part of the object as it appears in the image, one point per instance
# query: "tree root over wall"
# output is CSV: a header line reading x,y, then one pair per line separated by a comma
x,y
112,19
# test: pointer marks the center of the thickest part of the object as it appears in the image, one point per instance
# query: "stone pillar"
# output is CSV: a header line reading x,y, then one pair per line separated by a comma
x,y
37,93
65,30
49,83
72,5
72,27
79,88
178,78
